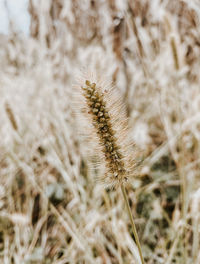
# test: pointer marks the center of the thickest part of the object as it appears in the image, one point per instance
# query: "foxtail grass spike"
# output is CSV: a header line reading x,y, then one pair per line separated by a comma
x,y
110,130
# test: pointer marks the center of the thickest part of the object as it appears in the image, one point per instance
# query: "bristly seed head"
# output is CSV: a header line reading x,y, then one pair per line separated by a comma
x,y
102,122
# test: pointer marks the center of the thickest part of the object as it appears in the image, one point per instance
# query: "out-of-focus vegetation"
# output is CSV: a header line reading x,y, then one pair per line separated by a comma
x,y
51,208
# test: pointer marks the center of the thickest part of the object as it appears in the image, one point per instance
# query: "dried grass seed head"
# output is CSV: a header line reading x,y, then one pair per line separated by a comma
x,y
105,111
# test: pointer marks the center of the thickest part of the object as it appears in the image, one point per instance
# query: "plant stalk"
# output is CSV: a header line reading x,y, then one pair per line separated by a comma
x,y
132,223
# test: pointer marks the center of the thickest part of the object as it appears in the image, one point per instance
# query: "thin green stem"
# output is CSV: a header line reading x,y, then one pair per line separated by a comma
x,y
132,222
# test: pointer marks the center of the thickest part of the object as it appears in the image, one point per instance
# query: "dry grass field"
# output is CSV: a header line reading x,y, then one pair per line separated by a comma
x,y
52,209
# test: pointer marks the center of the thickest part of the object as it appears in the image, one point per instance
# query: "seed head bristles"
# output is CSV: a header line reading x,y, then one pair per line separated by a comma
x,y
106,113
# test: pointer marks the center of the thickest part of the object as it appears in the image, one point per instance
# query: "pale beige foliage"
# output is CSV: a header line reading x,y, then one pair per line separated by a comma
x,y
55,210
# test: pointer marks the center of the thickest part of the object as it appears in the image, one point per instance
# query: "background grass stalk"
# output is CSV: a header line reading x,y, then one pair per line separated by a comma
x,y
132,222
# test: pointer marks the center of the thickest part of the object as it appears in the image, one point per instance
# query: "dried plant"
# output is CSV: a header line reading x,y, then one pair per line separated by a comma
x,y
105,111
11,116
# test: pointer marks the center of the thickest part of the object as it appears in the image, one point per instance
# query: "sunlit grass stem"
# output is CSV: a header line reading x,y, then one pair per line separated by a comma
x,y
132,222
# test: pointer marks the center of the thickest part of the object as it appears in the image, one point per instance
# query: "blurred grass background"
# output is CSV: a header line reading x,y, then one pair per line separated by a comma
x,y
51,209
